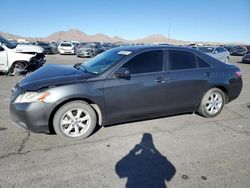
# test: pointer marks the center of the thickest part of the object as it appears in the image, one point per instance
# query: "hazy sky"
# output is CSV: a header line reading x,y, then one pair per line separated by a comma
x,y
198,20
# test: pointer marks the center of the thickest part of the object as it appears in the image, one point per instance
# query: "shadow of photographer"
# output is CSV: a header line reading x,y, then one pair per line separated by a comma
x,y
145,166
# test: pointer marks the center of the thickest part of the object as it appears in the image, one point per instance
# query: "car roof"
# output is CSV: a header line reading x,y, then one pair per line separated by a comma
x,y
135,48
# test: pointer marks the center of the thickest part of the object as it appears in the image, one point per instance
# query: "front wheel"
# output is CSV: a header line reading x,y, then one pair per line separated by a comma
x,y
17,68
74,120
212,103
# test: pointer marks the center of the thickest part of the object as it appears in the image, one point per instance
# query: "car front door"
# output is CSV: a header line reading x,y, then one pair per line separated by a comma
x,y
140,94
187,78
3,59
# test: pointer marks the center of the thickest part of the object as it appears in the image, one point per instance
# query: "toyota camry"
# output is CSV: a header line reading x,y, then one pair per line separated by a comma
x,y
121,85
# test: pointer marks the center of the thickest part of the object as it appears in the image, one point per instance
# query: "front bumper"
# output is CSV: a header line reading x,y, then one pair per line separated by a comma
x,y
35,63
246,60
63,51
84,54
31,116
238,53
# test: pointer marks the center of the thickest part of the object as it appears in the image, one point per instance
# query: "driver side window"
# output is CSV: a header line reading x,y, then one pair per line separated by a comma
x,y
146,62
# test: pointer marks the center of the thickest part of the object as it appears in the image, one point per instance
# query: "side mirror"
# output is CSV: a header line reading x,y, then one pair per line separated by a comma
x,y
122,73
216,52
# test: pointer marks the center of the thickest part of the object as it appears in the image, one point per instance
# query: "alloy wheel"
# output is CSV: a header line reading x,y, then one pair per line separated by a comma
x,y
75,122
214,103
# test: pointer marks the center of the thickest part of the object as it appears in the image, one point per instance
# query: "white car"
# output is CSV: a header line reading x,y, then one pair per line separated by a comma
x,y
66,48
19,58
217,52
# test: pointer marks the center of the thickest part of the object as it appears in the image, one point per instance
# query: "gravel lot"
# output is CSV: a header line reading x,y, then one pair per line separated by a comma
x,y
178,151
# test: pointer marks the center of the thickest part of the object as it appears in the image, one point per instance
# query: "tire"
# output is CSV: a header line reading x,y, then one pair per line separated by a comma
x,y
226,60
212,103
17,68
74,120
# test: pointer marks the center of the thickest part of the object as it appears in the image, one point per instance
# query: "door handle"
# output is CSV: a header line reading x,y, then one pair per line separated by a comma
x,y
160,80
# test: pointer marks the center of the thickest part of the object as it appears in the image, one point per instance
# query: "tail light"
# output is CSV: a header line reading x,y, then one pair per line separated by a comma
x,y
238,74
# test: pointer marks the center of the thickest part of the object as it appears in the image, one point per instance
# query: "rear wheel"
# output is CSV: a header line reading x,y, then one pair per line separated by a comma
x,y
227,60
212,103
74,120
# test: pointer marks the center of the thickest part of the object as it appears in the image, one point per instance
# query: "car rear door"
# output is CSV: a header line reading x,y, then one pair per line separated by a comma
x,y
142,93
187,78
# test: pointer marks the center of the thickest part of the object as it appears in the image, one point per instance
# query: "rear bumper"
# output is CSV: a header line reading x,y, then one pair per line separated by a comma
x,y
31,116
235,87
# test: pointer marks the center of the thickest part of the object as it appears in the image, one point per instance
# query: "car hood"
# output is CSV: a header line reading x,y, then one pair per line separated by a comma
x,y
52,75
211,54
85,49
28,48
45,47
67,47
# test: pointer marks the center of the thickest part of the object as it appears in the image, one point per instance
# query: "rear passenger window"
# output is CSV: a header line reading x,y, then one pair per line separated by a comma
x,y
202,63
151,61
180,60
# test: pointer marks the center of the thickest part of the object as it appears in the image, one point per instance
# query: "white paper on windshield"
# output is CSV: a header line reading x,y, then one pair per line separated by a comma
x,y
124,52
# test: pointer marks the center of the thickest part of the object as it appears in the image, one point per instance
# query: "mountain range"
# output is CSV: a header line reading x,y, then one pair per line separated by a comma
x,y
74,34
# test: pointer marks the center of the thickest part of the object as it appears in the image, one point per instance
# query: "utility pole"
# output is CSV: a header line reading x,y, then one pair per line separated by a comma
x,y
168,30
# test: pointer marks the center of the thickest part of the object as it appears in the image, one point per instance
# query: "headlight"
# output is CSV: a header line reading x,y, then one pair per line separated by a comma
x,y
30,97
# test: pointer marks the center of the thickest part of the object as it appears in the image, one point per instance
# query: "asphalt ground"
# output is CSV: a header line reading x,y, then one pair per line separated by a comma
x,y
177,151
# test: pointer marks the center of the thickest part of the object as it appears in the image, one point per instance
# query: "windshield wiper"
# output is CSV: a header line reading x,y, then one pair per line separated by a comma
x,y
77,65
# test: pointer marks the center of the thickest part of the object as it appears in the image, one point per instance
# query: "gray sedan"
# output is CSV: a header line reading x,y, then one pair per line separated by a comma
x,y
246,58
219,53
121,85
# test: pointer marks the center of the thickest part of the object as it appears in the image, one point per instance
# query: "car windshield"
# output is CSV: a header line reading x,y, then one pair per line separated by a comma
x,y
7,43
206,49
103,61
66,44
43,44
89,45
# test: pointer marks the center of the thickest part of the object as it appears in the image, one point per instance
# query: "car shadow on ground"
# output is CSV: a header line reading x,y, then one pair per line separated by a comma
x,y
145,166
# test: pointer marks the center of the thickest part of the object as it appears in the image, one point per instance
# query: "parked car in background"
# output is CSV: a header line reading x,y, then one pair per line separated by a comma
x,y
47,48
54,47
107,46
80,45
66,48
228,47
219,53
238,50
17,59
120,85
90,50
248,48
246,58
